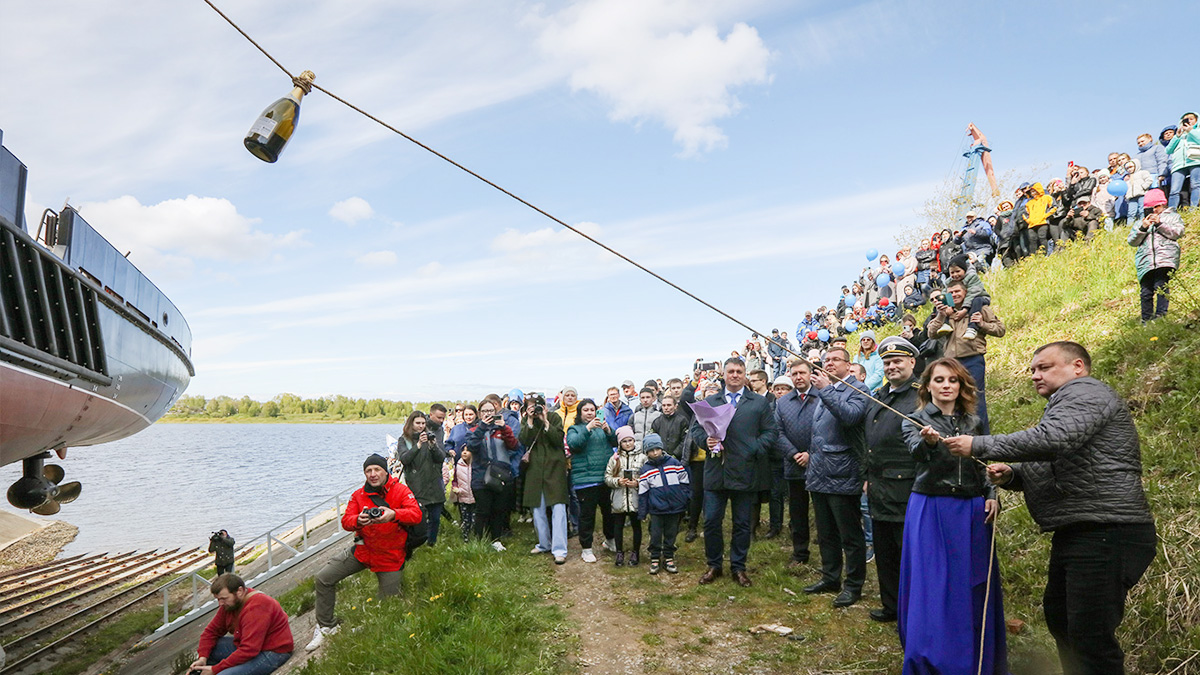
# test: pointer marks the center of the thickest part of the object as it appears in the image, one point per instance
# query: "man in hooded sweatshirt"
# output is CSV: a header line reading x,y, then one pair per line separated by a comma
x,y
378,543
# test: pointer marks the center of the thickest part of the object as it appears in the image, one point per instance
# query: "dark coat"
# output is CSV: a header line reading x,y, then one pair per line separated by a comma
x,y
423,469
890,467
835,457
1082,463
744,462
674,432
546,471
222,545
795,418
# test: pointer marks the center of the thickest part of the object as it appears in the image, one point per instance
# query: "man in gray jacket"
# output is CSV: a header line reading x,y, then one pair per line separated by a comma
x,y
1081,471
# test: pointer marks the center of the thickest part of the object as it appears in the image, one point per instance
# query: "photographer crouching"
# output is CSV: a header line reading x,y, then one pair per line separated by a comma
x,y
377,512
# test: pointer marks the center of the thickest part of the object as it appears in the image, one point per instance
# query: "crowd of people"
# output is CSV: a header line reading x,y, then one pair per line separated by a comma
x,y
889,449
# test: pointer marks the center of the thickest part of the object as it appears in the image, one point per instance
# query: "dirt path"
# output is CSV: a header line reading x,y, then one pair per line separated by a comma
x,y
620,633
609,638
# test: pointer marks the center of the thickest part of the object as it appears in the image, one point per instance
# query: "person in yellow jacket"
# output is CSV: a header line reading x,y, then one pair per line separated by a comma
x,y
1038,210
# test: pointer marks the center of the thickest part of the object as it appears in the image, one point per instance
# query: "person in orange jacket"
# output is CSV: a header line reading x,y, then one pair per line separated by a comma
x,y
377,513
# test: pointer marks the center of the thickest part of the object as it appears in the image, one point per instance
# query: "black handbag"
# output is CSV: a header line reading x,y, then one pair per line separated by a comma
x,y
498,477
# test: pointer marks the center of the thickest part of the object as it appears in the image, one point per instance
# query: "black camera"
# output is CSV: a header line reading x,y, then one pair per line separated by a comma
x,y
375,512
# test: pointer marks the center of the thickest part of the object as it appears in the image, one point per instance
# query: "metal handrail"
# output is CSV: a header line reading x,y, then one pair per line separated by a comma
x,y
271,538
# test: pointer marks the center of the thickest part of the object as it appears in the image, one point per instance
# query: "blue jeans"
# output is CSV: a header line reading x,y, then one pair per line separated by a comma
x,y
714,517
265,662
1135,211
1177,185
976,366
551,534
868,530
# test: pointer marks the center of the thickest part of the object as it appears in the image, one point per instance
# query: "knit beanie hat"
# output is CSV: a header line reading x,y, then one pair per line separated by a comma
x,y
961,262
1154,198
651,441
623,433
377,460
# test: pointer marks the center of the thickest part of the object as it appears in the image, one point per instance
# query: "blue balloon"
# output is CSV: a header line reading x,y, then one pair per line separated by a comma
x,y
883,279
851,326
823,335
847,301
897,269
872,254
1117,187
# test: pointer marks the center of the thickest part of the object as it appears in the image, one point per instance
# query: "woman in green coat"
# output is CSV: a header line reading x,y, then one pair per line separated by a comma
x,y
591,441
545,473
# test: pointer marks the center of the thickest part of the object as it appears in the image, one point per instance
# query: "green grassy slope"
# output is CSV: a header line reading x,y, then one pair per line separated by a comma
x,y
1089,294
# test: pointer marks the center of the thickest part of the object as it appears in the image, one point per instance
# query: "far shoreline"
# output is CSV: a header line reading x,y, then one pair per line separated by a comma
x,y
236,419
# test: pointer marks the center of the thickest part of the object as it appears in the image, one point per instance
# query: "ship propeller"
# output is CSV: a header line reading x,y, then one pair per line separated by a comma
x,y
41,489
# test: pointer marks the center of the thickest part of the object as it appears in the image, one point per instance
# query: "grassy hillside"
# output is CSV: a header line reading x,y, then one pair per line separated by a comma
x,y
1089,294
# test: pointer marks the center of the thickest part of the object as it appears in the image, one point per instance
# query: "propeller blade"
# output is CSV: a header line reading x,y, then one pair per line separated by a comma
x,y
68,492
53,473
50,508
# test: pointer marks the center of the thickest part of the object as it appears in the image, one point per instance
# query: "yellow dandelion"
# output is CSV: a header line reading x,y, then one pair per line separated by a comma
x,y
412,635
479,595
1154,339
370,599
353,607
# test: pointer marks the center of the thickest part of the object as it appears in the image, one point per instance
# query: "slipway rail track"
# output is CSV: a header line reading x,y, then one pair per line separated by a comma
x,y
47,605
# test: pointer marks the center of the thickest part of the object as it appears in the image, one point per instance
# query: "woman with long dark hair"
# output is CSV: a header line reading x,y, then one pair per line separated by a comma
x,y
421,456
948,570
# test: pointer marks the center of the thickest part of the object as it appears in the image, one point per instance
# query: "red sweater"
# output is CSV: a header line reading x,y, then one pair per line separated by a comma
x,y
260,625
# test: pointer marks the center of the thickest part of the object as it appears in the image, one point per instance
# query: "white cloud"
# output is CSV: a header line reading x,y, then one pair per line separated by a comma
x,y
352,210
377,258
661,60
173,232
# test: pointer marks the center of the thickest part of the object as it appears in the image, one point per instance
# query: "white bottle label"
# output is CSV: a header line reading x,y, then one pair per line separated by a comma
x,y
263,127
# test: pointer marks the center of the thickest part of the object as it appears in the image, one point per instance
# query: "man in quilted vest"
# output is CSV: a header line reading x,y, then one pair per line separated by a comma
x,y
1081,472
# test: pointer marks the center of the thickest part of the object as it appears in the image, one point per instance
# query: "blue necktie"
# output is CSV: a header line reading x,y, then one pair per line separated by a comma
x,y
733,397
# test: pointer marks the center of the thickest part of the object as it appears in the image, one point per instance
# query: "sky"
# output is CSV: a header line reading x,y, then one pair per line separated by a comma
x,y
749,151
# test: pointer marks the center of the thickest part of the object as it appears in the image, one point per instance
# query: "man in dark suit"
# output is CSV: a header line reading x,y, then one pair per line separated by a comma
x,y
890,467
736,473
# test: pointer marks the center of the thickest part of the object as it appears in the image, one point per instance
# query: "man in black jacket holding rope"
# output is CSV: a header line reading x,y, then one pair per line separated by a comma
x,y
1081,472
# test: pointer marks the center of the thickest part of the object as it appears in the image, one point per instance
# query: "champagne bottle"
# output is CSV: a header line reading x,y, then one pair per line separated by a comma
x,y
274,127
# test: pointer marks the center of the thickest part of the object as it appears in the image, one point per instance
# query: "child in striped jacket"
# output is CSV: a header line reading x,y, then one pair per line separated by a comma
x,y
663,494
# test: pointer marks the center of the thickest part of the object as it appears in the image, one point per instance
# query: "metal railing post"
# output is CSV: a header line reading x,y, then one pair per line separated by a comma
x,y
166,609
270,550
193,575
304,520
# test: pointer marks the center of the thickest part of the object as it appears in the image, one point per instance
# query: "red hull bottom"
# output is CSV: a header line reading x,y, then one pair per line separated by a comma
x,y
40,413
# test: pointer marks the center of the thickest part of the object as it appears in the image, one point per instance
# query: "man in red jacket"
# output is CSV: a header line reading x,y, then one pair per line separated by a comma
x,y
376,513
262,638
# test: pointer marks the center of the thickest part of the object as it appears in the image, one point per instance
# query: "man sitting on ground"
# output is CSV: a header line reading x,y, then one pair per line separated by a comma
x,y
261,639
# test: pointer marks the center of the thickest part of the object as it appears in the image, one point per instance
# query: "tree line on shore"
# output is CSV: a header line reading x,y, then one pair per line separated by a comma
x,y
285,406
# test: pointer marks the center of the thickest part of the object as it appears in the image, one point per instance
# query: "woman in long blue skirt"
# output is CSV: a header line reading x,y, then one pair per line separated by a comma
x,y
948,540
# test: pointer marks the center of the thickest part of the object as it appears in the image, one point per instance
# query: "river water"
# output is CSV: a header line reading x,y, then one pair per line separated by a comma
x,y
174,484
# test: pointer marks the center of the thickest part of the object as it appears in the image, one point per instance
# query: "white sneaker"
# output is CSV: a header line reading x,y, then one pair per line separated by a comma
x,y
538,549
946,329
610,545
319,637
588,556
969,334
498,546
